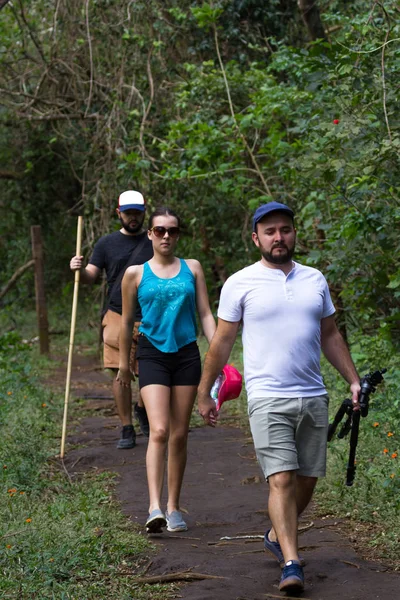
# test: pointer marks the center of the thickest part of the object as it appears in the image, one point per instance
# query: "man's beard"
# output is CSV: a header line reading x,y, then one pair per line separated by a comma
x,y
278,259
132,229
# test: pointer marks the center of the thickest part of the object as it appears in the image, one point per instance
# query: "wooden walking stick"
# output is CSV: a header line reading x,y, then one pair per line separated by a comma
x,y
71,337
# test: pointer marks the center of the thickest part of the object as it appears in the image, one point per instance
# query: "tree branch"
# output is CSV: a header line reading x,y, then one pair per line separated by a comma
x,y
383,73
147,111
181,576
90,58
31,34
60,117
3,3
232,111
10,174
15,277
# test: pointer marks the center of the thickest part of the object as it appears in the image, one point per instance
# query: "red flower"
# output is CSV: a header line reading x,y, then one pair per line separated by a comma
x,y
336,121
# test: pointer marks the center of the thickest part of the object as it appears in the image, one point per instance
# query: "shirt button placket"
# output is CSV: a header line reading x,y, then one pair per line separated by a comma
x,y
288,288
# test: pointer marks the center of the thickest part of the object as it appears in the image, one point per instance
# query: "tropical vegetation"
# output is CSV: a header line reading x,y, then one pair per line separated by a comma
x,y
212,108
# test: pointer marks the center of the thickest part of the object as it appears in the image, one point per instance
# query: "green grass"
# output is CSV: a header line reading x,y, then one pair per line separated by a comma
x,y
375,494
59,538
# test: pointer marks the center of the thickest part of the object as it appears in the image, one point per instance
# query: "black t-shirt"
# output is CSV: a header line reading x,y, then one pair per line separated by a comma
x,y
111,253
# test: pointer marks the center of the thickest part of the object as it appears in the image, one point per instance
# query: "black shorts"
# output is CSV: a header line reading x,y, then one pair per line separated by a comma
x,y
168,368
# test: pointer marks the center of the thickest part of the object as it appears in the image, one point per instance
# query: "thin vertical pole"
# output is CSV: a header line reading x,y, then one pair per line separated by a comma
x,y
71,337
41,309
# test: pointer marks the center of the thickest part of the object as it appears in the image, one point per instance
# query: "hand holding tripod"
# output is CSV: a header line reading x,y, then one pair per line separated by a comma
x,y
368,386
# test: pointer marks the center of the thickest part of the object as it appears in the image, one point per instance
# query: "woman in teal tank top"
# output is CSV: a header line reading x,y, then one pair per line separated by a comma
x,y
170,291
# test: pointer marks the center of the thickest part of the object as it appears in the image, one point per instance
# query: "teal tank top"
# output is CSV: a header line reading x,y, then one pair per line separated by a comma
x,y
168,308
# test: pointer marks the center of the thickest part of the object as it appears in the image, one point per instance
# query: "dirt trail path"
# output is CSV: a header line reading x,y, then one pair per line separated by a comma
x,y
223,495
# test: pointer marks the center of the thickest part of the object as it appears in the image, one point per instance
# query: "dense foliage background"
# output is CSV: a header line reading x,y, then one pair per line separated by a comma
x,y
212,108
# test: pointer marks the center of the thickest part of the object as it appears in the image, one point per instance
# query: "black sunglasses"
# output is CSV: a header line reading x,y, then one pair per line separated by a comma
x,y
160,231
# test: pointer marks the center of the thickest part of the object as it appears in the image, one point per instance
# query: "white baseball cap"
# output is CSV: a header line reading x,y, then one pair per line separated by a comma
x,y
131,200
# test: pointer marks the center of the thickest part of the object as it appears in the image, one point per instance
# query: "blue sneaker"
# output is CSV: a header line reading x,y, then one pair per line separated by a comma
x,y
275,549
292,579
175,521
155,521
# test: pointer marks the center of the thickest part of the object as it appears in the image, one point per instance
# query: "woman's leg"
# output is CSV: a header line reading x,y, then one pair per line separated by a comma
x,y
181,406
156,399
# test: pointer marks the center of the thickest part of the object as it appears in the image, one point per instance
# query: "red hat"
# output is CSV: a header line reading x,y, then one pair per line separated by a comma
x,y
231,385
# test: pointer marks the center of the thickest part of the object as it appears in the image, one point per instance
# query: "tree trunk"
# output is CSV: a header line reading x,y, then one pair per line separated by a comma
x,y
41,308
312,19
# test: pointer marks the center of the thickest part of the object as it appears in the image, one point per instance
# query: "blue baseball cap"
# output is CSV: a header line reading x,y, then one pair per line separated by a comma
x,y
265,209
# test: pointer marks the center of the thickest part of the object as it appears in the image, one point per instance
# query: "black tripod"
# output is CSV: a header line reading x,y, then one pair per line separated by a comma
x,y
368,386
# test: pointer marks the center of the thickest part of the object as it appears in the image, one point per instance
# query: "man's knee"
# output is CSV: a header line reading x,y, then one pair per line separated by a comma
x,y
284,480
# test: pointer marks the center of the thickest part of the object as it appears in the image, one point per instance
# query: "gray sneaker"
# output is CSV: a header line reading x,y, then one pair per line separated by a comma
x,y
155,521
128,438
175,521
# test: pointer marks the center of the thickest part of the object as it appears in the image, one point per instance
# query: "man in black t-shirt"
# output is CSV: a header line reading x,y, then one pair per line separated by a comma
x,y
114,253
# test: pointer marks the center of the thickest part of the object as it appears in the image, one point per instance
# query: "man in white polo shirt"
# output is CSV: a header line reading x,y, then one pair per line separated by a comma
x,y
288,317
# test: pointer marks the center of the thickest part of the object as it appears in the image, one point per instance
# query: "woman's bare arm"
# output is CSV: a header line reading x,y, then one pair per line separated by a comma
x,y
202,302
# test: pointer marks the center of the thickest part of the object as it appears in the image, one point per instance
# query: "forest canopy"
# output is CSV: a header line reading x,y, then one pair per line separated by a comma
x,y
212,108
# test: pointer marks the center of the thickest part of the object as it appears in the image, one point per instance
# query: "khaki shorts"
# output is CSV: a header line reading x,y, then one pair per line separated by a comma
x,y
111,325
290,434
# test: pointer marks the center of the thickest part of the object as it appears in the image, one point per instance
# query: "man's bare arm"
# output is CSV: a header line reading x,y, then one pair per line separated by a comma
x,y
217,357
336,351
89,274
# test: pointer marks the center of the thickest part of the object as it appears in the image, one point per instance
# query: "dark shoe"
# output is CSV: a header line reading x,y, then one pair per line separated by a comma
x,y
275,549
155,521
141,416
128,438
292,579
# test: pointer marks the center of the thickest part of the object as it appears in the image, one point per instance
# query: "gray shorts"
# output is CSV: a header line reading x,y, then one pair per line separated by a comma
x,y
290,434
